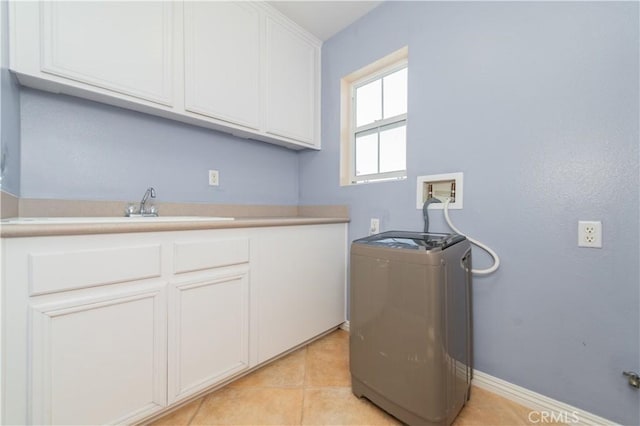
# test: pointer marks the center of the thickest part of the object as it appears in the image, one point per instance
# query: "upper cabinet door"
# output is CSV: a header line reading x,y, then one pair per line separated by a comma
x,y
125,47
222,61
292,81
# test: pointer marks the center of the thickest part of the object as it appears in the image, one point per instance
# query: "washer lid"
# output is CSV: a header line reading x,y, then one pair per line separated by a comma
x,y
411,240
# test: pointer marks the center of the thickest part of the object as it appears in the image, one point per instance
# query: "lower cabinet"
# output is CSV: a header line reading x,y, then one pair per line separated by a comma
x,y
299,275
104,329
209,337
99,359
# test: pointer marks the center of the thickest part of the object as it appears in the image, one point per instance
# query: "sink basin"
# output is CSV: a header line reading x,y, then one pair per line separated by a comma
x,y
114,219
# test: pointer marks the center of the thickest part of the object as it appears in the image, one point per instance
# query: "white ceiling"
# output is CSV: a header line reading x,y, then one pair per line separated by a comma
x,y
324,18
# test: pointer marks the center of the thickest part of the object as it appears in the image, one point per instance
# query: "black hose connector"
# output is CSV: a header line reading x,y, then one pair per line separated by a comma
x,y
425,212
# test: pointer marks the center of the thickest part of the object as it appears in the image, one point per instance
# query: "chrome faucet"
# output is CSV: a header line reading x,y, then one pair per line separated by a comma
x,y
143,210
149,193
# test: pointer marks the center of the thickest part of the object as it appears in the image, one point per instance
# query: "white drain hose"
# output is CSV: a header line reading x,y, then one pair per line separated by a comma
x,y
493,254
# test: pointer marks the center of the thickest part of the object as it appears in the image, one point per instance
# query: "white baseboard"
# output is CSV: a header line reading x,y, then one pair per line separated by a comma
x,y
542,405
345,326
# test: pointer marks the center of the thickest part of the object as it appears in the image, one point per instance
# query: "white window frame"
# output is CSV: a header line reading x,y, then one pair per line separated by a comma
x,y
377,70
375,127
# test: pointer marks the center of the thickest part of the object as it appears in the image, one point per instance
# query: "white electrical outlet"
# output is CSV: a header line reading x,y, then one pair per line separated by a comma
x,y
590,233
374,228
214,178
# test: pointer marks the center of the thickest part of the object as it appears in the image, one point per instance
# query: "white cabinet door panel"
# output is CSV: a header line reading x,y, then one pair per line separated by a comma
x,y
209,334
222,61
122,46
99,360
291,84
300,276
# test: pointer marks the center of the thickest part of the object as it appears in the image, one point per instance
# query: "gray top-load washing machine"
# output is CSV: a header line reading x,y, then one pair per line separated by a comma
x,y
410,324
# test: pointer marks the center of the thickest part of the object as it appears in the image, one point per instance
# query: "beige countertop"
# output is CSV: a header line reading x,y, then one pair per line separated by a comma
x,y
13,230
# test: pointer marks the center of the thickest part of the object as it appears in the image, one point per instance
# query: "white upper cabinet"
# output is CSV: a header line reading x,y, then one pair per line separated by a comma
x,y
222,61
291,83
237,67
121,46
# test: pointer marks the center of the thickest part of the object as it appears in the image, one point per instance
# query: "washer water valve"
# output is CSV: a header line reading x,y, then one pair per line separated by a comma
x,y
442,187
634,379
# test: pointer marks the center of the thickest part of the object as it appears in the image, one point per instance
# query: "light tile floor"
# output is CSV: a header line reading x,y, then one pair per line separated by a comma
x,y
311,386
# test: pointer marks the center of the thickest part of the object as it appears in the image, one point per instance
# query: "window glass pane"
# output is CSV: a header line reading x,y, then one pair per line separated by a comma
x,y
393,151
366,154
395,93
369,103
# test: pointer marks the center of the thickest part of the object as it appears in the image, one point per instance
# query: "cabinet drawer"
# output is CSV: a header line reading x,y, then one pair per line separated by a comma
x,y
199,255
52,272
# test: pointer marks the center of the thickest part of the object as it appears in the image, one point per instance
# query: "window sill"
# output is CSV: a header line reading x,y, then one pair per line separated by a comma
x,y
380,180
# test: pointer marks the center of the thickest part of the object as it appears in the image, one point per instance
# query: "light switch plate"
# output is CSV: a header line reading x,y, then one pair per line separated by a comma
x,y
374,228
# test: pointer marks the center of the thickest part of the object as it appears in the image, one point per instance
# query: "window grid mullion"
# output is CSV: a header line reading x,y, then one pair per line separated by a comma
x,y
382,98
378,146
381,117
381,123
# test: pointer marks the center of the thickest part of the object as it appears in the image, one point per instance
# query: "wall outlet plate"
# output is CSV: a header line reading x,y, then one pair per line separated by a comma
x,y
590,233
214,178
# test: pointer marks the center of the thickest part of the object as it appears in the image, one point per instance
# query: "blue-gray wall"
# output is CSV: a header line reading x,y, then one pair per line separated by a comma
x,y
9,113
78,149
537,103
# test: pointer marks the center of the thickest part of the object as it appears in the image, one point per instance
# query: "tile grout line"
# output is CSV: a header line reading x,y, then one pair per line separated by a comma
x,y
195,413
304,383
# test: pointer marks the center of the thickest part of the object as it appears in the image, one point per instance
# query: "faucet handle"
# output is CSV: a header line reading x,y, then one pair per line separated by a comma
x,y
633,377
153,210
130,210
